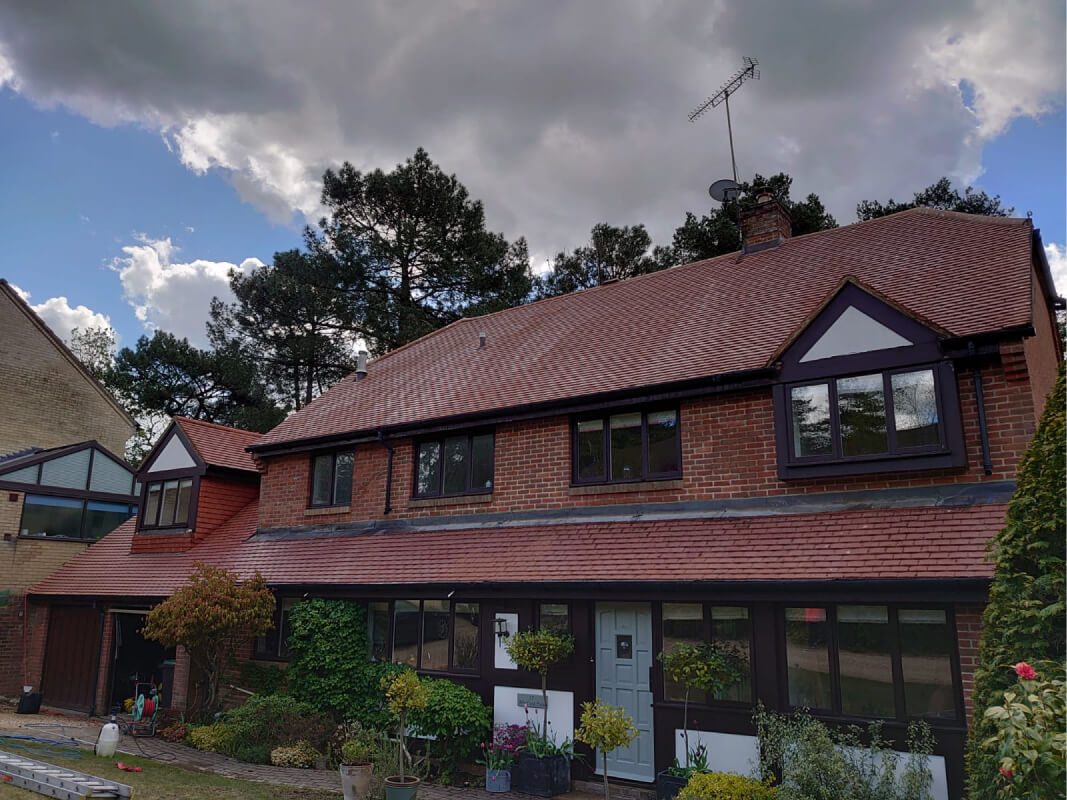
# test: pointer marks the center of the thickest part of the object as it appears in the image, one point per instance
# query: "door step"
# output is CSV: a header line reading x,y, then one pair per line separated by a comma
x,y
53,781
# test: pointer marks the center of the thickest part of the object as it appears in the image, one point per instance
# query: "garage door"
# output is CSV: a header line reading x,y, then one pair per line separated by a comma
x,y
70,658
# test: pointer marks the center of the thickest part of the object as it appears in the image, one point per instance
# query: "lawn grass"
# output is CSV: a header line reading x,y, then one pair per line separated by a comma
x,y
161,781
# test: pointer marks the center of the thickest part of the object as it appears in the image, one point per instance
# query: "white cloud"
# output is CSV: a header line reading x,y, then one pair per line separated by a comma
x,y
59,315
1057,261
171,295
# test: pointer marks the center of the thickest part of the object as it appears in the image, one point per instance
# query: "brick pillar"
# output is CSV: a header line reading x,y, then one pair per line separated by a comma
x,y
36,622
968,629
179,693
103,679
11,653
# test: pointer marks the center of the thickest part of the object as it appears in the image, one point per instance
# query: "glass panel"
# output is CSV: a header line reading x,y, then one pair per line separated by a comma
x,y
625,446
926,661
283,627
861,407
865,661
456,463
185,493
170,503
434,634
406,632
482,458
428,480
465,633
591,450
664,451
51,516
811,420
109,475
730,625
378,631
342,479
555,617
24,475
683,623
69,472
322,468
102,518
915,409
151,507
807,650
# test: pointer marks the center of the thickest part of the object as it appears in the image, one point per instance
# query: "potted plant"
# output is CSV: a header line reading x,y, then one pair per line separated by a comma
x,y
404,693
605,728
711,667
498,754
357,754
543,767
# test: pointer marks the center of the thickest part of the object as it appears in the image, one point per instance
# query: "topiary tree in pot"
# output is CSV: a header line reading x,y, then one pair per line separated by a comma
x,y
404,694
605,728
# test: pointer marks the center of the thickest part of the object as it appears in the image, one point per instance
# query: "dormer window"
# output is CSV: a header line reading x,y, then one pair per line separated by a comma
x,y
167,503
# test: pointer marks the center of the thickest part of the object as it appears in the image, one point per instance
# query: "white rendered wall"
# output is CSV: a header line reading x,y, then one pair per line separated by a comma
x,y
507,710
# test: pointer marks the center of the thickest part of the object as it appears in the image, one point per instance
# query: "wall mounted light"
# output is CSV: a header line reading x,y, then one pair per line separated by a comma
x,y
502,631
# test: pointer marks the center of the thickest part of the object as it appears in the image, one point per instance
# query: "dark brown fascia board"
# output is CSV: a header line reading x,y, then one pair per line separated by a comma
x,y
1044,272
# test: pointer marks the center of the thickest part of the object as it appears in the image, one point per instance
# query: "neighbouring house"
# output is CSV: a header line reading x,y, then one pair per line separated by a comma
x,y
61,483
802,448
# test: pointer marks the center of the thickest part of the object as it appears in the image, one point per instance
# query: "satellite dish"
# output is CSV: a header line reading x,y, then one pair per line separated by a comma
x,y
724,190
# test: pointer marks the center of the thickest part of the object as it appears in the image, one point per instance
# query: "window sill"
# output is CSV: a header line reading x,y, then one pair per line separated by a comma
x,y
620,488
451,500
900,462
162,531
325,511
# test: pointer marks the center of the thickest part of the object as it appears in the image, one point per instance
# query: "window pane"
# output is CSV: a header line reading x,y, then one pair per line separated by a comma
x,y
811,420
102,518
434,634
683,623
591,450
861,406
730,625
51,516
378,631
482,458
456,463
283,627
170,503
664,453
406,632
926,661
555,617
915,409
151,507
807,650
185,493
69,472
465,633
109,475
625,446
865,661
429,477
320,480
342,481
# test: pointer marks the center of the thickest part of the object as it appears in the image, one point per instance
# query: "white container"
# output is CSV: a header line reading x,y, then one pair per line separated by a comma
x,y
108,740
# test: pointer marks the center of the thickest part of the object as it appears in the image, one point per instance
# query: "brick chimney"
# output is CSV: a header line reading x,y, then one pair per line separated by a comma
x,y
766,225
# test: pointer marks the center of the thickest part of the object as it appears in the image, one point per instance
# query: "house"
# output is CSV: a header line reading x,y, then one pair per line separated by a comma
x,y
801,449
61,483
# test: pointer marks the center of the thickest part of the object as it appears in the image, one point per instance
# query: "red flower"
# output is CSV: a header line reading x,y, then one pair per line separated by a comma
x,y
1007,773
1025,671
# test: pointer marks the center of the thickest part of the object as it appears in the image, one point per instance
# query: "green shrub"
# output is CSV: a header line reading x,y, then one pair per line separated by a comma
x,y
263,678
457,719
175,732
726,786
301,755
275,720
252,753
605,728
1027,598
216,738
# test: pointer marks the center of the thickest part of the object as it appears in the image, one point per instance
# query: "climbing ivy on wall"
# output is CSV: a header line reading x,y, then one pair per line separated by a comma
x,y
1024,620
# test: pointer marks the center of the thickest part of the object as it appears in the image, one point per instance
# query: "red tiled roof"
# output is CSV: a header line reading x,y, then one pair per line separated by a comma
x,y
870,544
966,274
219,445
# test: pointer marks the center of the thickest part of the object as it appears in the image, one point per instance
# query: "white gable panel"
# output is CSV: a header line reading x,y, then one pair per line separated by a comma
x,y
854,332
172,456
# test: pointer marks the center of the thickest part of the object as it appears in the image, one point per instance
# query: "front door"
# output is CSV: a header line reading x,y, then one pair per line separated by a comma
x,y
623,667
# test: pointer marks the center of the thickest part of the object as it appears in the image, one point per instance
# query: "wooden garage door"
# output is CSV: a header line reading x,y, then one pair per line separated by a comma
x,y
70,657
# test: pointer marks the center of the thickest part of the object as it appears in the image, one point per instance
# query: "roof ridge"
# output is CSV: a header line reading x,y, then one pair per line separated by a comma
x,y
182,418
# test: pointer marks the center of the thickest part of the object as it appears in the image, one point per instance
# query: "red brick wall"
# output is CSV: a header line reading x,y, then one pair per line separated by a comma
x,y
103,674
728,451
1043,351
968,629
180,691
11,647
36,637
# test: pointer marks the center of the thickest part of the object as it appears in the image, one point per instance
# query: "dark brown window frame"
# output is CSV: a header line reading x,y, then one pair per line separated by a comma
x,y
900,712
132,510
163,478
451,669
705,632
605,417
282,652
439,440
333,477
570,613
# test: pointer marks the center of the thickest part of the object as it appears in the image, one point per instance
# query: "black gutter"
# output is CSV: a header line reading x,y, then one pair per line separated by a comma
x,y
388,479
983,428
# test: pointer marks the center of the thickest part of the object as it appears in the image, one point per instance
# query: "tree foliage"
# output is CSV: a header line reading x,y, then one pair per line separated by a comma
x,y
537,651
611,254
1024,620
941,195
95,349
605,728
208,616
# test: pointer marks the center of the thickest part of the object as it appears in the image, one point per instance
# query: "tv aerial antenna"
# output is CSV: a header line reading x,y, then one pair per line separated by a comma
x,y
748,72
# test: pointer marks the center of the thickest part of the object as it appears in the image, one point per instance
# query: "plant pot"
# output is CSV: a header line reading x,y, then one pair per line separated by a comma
x,y
668,786
498,780
397,788
355,780
543,777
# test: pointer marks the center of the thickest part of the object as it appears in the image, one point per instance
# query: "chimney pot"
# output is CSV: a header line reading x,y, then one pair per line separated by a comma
x,y
482,337
361,365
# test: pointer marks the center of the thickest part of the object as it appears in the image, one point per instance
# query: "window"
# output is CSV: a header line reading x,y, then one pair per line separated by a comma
x,y
437,635
378,631
554,617
630,446
871,661
168,503
71,518
331,479
695,623
274,644
455,465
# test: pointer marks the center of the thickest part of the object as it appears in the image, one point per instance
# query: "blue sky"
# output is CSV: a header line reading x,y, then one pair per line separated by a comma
x,y
150,147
